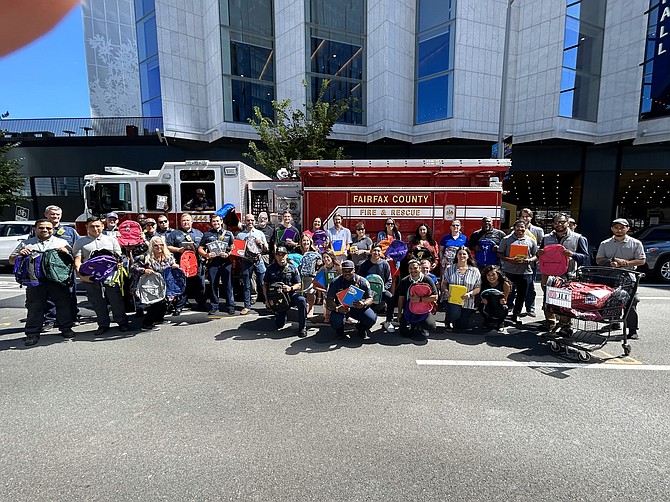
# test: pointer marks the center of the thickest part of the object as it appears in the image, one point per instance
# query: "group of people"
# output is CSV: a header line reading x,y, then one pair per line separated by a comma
x,y
354,277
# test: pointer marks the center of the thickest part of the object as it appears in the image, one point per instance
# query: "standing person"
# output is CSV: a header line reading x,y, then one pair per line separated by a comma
x,y
623,251
339,233
418,330
450,243
149,229
111,225
38,295
484,254
254,266
163,227
572,224
264,226
359,309
285,272
493,306
390,231
576,249
215,247
317,224
142,220
157,259
95,240
379,266
200,202
286,234
462,272
538,234
69,234
187,238
423,246
361,244
517,266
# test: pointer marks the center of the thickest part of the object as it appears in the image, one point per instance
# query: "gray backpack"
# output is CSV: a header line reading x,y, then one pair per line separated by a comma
x,y
151,288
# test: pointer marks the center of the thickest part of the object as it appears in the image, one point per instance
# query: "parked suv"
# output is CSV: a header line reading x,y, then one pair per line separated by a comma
x,y
11,233
656,242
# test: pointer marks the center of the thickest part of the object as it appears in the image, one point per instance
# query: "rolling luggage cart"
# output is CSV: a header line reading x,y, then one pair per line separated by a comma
x,y
592,301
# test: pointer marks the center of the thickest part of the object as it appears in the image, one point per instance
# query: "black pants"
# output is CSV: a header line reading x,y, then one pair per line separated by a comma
x,y
520,282
155,314
36,301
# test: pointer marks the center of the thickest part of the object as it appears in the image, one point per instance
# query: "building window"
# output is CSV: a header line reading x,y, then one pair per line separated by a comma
x,y
247,42
336,42
582,59
147,55
435,60
655,100
59,186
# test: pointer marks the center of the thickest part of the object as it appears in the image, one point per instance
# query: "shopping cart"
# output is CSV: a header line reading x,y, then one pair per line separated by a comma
x,y
588,306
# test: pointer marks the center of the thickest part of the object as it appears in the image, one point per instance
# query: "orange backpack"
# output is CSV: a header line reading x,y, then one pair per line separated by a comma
x,y
189,263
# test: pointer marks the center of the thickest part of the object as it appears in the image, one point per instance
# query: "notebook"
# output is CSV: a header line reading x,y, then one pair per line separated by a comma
x,y
348,296
455,293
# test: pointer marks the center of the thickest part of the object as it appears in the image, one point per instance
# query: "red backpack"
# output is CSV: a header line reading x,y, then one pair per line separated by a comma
x,y
189,263
130,233
420,289
553,261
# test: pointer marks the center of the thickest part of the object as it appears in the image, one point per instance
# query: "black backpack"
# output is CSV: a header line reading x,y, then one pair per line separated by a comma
x,y
277,299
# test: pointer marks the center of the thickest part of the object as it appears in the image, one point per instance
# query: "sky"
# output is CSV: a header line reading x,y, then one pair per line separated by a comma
x,y
47,78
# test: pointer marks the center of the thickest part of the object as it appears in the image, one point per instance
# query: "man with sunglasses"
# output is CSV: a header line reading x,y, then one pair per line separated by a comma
x,y
187,238
37,296
163,227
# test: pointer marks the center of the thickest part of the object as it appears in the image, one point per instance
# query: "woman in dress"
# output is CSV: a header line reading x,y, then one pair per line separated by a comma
x,y
361,244
460,306
156,259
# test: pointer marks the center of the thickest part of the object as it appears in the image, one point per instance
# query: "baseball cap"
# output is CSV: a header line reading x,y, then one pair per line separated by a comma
x,y
112,215
150,220
281,250
621,221
348,264
200,190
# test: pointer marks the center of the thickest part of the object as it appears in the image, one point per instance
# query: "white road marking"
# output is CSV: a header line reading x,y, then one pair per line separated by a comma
x,y
543,364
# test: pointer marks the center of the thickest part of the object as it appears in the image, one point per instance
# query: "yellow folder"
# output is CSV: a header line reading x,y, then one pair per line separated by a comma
x,y
455,294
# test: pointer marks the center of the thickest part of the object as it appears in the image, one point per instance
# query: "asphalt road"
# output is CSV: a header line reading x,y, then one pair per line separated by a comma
x,y
228,409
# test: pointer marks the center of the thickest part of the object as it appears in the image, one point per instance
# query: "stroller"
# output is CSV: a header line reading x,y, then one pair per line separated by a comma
x,y
591,302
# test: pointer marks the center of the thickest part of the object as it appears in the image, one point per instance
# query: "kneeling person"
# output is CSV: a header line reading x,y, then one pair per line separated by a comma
x,y
410,323
359,309
282,271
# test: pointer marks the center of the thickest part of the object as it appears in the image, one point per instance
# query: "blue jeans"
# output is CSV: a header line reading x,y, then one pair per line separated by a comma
x,y
247,268
366,319
221,275
458,315
300,303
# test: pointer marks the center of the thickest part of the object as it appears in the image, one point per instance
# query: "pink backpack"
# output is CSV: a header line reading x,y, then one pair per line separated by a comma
x,y
130,233
553,261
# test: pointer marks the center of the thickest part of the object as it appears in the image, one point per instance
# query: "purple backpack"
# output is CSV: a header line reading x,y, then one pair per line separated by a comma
x,y
28,269
99,267
320,239
397,250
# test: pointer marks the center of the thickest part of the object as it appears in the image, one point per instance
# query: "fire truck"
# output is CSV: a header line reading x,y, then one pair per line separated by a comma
x,y
411,192
433,192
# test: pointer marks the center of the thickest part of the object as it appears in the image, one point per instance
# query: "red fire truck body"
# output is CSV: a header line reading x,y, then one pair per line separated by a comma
x,y
412,192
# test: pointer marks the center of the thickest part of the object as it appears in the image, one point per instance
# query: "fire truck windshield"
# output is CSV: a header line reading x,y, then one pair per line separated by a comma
x,y
105,197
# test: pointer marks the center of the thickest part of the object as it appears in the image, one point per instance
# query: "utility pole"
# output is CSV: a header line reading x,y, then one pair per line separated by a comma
x,y
503,86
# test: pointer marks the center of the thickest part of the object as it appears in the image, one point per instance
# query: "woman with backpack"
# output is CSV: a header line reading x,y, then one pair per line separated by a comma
x,y
157,259
495,289
389,232
310,263
461,282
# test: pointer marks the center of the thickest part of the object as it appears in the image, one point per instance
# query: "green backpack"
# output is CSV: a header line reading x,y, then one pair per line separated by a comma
x,y
57,267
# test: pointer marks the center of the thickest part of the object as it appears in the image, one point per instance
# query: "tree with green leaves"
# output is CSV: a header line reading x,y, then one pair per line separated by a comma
x,y
11,179
295,134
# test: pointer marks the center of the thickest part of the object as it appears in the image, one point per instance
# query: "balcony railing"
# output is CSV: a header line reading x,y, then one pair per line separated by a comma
x,y
22,129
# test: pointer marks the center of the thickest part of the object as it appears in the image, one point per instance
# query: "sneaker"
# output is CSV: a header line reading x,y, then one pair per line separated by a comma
x,y
231,311
213,311
176,312
390,329
47,326
31,340
150,328
302,333
364,333
632,335
244,311
531,313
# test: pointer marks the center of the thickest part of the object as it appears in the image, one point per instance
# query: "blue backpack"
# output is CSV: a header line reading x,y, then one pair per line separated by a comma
x,y
28,269
175,282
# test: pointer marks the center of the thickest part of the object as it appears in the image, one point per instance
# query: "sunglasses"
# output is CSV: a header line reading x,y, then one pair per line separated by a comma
x,y
390,223
360,230
158,245
162,221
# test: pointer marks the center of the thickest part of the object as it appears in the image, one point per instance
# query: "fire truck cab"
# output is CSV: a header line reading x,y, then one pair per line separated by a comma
x,y
168,190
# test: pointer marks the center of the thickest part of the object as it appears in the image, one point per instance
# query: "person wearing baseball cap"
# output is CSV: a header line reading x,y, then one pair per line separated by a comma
x,y
282,273
111,225
623,251
358,307
200,202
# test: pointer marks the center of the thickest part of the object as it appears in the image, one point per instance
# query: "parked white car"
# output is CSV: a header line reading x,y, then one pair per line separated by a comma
x,y
11,233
